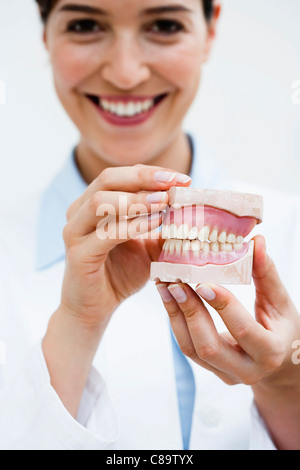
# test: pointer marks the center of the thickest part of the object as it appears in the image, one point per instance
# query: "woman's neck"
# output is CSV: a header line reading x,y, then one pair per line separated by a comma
x,y
177,156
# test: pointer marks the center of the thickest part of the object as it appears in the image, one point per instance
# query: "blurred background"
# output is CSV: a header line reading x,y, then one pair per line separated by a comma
x,y
247,110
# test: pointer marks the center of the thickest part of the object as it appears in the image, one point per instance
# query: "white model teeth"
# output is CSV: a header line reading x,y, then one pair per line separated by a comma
x,y
178,245
213,236
214,247
205,248
165,232
173,231
184,232
222,237
183,239
127,110
172,247
197,247
186,246
204,233
238,246
231,238
226,247
193,233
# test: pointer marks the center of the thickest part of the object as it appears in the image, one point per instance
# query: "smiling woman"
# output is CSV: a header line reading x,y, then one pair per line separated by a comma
x,y
102,367
127,81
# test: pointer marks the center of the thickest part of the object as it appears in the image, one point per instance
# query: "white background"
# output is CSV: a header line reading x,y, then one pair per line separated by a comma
x,y
244,109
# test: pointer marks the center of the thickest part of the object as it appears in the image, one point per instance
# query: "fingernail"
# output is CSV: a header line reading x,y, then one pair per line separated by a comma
x,y
164,176
183,179
156,197
178,293
206,292
164,293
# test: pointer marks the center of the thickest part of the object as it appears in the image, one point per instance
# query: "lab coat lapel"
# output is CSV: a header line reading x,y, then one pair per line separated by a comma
x,y
135,358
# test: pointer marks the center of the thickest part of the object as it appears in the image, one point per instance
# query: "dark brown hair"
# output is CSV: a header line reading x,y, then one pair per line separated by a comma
x,y
47,5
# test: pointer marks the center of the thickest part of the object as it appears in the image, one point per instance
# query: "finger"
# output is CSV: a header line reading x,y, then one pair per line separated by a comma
x,y
177,321
270,290
253,338
209,345
140,178
113,205
132,179
182,334
113,233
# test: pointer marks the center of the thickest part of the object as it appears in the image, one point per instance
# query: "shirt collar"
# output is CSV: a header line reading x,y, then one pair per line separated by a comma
x,y
69,185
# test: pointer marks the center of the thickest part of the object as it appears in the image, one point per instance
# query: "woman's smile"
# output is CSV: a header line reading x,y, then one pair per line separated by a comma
x,y
127,110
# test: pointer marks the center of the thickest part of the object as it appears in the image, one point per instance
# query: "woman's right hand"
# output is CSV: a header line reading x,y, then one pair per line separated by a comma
x,y
101,272
104,267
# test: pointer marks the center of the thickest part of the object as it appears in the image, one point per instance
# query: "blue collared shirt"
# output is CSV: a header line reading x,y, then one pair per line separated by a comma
x,y
68,186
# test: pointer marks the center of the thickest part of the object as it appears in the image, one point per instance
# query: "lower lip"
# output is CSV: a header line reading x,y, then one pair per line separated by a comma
x,y
128,121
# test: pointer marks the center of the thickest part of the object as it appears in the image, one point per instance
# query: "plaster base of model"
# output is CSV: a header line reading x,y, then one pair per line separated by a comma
x,y
237,273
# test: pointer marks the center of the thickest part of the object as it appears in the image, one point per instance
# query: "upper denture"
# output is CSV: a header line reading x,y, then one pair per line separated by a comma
x,y
205,222
239,204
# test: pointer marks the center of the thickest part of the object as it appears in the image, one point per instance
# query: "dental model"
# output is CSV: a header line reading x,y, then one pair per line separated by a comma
x,y
204,232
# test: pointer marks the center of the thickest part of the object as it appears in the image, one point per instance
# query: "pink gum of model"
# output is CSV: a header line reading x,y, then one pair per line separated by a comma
x,y
204,231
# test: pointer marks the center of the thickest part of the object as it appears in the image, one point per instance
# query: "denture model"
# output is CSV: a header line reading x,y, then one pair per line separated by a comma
x,y
205,234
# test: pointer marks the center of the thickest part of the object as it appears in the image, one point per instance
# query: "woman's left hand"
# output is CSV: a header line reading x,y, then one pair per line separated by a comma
x,y
256,352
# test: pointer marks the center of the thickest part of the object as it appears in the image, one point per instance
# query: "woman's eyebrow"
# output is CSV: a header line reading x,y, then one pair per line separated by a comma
x,y
83,9
165,9
148,11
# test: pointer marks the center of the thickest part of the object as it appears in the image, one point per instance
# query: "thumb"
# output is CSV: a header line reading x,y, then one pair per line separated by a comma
x,y
269,287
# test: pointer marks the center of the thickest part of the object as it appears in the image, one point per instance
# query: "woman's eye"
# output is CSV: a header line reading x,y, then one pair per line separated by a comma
x,y
84,26
166,27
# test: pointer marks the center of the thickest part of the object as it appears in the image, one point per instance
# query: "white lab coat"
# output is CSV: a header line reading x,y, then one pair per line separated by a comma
x,y
130,401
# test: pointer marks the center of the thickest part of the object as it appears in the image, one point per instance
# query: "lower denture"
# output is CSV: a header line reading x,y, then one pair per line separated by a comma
x,y
202,259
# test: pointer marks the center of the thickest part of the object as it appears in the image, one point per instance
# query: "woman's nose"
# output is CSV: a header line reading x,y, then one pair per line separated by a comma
x,y
125,66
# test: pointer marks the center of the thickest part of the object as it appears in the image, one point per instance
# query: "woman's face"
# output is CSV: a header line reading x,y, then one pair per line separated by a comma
x,y
122,55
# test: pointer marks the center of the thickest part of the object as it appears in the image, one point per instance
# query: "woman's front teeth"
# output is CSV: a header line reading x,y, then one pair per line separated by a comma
x,y
127,110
